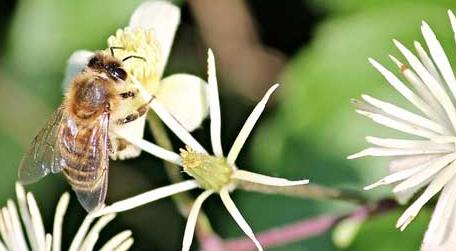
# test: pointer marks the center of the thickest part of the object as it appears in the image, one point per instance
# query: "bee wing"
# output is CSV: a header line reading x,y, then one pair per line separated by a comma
x,y
86,157
43,156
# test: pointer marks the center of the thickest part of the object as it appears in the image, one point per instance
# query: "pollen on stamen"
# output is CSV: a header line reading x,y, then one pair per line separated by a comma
x,y
139,43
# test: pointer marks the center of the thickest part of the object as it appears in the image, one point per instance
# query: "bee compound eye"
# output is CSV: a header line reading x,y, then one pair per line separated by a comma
x,y
119,73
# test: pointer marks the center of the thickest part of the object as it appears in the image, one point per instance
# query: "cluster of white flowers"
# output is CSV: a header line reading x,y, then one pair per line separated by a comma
x,y
430,160
35,237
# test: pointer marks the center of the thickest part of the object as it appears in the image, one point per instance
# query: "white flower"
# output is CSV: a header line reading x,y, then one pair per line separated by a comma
x,y
216,174
150,35
14,239
430,160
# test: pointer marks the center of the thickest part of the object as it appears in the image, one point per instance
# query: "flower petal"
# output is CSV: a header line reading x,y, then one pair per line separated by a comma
x,y
430,82
184,96
191,220
248,126
409,144
266,180
81,233
433,188
62,206
147,197
397,176
116,241
161,16
152,148
380,151
434,167
439,56
93,234
214,106
436,111
25,216
398,124
397,84
403,114
402,163
427,61
124,246
442,221
75,64
237,216
48,242
169,120
37,221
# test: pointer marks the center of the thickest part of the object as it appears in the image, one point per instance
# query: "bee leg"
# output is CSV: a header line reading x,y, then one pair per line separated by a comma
x,y
136,114
128,94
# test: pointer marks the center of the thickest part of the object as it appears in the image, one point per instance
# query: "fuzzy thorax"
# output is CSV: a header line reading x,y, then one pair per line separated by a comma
x,y
212,173
141,43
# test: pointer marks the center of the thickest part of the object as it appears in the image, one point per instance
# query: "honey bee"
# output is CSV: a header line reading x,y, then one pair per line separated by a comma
x,y
76,139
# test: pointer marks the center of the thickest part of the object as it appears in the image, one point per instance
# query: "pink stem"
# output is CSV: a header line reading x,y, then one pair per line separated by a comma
x,y
300,230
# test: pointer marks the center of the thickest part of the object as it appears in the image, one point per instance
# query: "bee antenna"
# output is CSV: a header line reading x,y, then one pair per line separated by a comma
x,y
112,48
133,56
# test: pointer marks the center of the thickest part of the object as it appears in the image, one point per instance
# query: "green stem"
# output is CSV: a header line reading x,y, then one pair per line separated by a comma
x,y
183,201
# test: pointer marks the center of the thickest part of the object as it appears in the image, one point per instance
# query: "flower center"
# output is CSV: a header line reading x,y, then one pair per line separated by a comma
x,y
141,43
211,172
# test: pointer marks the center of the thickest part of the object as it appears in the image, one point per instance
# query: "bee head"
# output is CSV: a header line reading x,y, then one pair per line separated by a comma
x,y
108,64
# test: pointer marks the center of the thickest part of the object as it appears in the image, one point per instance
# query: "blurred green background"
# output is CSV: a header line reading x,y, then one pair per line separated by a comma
x,y
323,46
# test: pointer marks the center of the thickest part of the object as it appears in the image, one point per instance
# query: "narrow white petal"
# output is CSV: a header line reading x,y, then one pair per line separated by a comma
x,y
37,221
434,167
191,220
5,234
62,206
441,217
452,20
406,162
439,56
248,126
116,240
16,226
2,246
169,121
398,124
161,16
427,62
379,151
82,231
397,84
75,64
431,83
48,242
404,114
147,197
6,230
436,113
397,176
184,96
436,185
93,234
25,216
409,144
234,212
124,246
266,180
214,106
152,148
